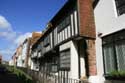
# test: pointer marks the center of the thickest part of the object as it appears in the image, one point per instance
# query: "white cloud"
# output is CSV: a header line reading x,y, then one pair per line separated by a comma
x,y
4,24
9,50
3,34
6,53
8,34
6,30
22,37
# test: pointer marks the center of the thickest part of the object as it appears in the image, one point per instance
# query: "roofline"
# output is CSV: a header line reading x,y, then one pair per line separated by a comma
x,y
61,10
57,15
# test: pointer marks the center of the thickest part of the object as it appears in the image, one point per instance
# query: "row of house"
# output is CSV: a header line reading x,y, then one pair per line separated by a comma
x,y
84,40
0,58
21,57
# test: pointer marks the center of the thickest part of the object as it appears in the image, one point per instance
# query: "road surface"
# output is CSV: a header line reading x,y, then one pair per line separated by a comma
x,y
8,77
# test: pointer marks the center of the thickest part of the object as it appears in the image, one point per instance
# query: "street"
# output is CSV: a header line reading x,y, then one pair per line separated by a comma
x,y
8,77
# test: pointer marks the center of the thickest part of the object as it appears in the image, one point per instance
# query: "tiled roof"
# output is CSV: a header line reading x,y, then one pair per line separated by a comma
x,y
35,37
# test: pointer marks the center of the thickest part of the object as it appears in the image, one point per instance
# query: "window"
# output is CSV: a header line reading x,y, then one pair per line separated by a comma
x,y
65,59
39,54
54,68
114,52
54,64
39,47
120,5
23,61
63,24
47,41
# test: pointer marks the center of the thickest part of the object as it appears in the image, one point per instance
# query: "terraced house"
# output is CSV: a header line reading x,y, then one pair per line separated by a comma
x,y
84,41
67,46
110,40
21,57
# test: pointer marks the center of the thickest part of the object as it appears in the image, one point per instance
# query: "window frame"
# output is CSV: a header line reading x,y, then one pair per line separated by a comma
x,y
64,23
113,39
65,51
119,6
46,41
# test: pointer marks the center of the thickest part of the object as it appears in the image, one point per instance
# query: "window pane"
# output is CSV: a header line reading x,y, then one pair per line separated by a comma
x,y
67,20
65,59
107,39
47,41
63,24
109,58
54,68
120,52
121,9
120,5
120,2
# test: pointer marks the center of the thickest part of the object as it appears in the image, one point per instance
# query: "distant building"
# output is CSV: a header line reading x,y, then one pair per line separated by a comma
x,y
18,57
0,59
11,62
21,57
34,39
5,62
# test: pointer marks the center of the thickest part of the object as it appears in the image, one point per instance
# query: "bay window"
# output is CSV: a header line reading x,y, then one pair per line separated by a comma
x,y
114,52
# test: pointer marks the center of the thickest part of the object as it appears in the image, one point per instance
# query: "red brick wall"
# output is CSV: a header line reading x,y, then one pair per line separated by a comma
x,y
91,57
86,18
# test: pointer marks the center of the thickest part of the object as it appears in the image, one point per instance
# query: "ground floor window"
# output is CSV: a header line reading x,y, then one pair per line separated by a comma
x,y
114,52
54,64
65,59
49,64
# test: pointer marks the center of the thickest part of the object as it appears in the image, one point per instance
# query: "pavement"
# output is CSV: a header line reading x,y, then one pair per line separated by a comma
x,y
8,77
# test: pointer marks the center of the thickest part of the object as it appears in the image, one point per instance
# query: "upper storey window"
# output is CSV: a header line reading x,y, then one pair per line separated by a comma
x,y
64,24
47,41
120,5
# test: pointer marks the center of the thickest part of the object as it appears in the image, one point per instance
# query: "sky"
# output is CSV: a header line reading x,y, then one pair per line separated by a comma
x,y
19,18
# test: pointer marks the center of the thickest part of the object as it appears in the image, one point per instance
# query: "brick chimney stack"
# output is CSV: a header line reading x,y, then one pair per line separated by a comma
x,y
87,30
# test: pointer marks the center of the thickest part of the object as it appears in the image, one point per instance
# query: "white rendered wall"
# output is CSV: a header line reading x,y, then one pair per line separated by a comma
x,y
106,18
19,61
74,61
29,61
11,63
32,65
24,51
82,60
107,21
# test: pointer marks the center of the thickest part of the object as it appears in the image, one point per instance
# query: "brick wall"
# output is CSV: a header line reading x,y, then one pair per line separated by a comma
x,y
86,18
91,57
